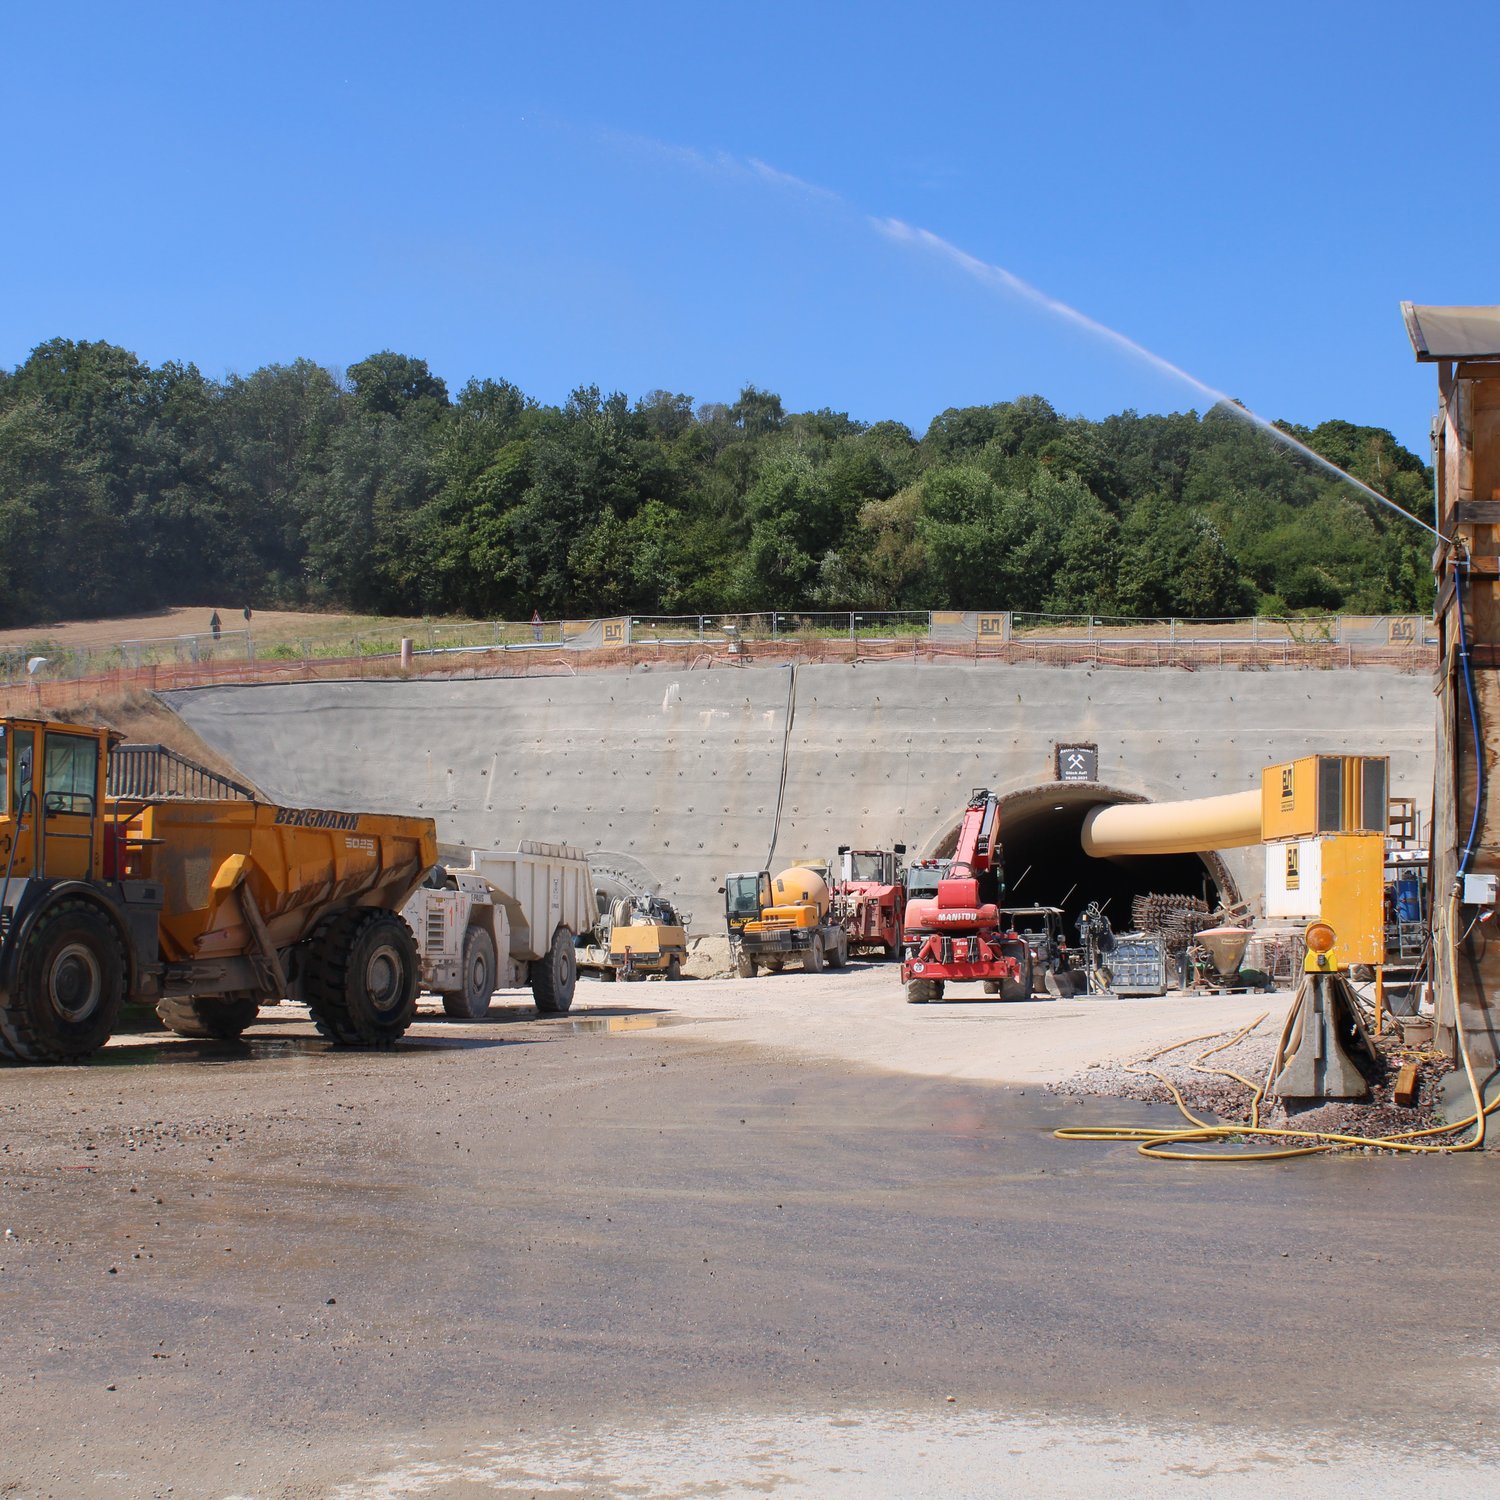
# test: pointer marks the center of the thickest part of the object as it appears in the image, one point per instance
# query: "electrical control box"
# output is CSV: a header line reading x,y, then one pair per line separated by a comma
x,y
1480,890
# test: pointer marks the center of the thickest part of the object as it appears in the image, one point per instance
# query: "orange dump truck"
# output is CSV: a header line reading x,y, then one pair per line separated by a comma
x,y
156,881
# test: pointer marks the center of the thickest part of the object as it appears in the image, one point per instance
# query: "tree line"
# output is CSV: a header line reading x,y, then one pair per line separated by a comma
x,y
125,487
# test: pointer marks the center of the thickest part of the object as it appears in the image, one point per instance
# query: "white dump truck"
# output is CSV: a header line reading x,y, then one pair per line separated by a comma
x,y
506,919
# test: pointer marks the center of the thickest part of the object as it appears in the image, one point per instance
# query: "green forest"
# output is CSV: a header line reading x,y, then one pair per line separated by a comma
x,y
125,487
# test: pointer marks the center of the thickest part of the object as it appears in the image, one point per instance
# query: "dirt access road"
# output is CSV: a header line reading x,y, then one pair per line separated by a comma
x,y
606,1256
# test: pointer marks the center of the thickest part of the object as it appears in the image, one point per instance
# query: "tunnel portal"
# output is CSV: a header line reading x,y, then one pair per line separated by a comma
x,y
1045,865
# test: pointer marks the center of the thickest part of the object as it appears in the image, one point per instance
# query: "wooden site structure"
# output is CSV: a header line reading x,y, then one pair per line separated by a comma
x,y
1464,343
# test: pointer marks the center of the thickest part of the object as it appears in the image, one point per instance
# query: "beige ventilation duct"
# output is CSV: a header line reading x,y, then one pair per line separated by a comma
x,y
1195,827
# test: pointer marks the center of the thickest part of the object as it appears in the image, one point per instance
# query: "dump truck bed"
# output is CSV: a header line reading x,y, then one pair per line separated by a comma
x,y
297,862
542,887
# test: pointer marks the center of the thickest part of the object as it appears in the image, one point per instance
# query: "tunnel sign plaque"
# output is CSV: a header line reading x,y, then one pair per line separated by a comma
x,y
1077,762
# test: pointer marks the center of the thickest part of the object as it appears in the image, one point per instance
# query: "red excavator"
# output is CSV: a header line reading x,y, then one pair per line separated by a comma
x,y
958,935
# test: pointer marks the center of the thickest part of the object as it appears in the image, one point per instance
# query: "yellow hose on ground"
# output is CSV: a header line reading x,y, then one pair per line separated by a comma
x,y
1156,1143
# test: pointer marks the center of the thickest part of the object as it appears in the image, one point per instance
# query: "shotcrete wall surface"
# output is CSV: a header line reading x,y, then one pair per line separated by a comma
x,y
677,774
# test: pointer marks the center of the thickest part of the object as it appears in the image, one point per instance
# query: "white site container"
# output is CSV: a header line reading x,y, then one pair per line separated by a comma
x,y
1294,879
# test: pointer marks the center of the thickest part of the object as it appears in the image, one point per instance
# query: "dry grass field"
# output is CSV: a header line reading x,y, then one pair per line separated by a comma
x,y
270,626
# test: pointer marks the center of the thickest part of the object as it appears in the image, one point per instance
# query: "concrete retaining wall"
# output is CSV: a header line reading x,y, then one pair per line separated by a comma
x,y
681,771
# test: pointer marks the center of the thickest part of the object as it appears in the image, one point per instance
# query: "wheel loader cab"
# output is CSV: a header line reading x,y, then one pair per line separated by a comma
x,y
52,779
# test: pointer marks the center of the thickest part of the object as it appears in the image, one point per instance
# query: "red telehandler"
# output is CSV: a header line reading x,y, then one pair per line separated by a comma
x,y
959,934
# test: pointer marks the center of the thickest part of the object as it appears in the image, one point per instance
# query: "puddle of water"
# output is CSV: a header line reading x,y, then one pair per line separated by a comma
x,y
261,1049
152,1053
264,1049
648,1022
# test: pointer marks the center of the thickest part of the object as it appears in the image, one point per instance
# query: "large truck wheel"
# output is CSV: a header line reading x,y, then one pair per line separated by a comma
x,y
1018,989
362,978
554,977
923,991
812,960
838,954
674,968
744,965
477,969
222,1017
70,985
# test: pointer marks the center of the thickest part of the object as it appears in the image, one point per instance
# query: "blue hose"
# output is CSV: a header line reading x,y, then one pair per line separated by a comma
x,y
1460,569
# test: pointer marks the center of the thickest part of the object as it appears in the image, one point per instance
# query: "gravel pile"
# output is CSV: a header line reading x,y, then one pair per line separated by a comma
x,y
708,957
1222,1100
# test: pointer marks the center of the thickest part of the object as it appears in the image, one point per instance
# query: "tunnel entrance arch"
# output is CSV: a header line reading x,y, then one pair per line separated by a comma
x,y
1040,840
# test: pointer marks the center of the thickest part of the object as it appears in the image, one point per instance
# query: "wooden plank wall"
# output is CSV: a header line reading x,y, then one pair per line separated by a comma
x,y
1469,509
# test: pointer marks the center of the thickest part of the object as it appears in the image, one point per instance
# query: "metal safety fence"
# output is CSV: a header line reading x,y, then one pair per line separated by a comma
x,y
548,646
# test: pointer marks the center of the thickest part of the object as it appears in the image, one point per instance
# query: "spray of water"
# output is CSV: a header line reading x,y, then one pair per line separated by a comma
x,y
998,276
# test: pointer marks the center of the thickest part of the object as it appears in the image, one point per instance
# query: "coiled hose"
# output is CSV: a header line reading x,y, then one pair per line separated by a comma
x,y
1164,1144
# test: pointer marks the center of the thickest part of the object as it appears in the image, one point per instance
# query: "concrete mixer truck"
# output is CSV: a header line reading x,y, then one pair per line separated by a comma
x,y
772,920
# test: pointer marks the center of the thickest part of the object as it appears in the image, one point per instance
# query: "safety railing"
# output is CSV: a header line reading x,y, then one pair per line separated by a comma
x,y
1334,640
154,773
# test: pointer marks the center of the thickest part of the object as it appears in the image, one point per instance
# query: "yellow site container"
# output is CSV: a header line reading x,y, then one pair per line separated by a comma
x,y
1321,794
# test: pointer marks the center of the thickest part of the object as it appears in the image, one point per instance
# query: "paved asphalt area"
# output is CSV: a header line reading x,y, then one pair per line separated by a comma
x,y
588,1257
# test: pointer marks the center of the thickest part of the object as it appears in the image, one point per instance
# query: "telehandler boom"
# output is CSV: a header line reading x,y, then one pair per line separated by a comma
x,y
958,934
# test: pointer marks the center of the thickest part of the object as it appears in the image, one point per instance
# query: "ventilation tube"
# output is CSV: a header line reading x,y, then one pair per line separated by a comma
x,y
1195,827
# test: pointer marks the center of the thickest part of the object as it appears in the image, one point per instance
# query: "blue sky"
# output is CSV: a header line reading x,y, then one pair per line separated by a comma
x,y
688,196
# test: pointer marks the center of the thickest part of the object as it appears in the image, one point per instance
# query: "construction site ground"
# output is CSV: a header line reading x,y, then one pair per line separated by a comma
x,y
785,1236
860,1016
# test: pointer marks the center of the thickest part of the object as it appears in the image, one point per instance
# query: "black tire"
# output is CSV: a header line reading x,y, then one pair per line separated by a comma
x,y
70,985
744,965
839,955
923,991
477,968
674,968
223,1017
554,977
812,959
361,978
1018,989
